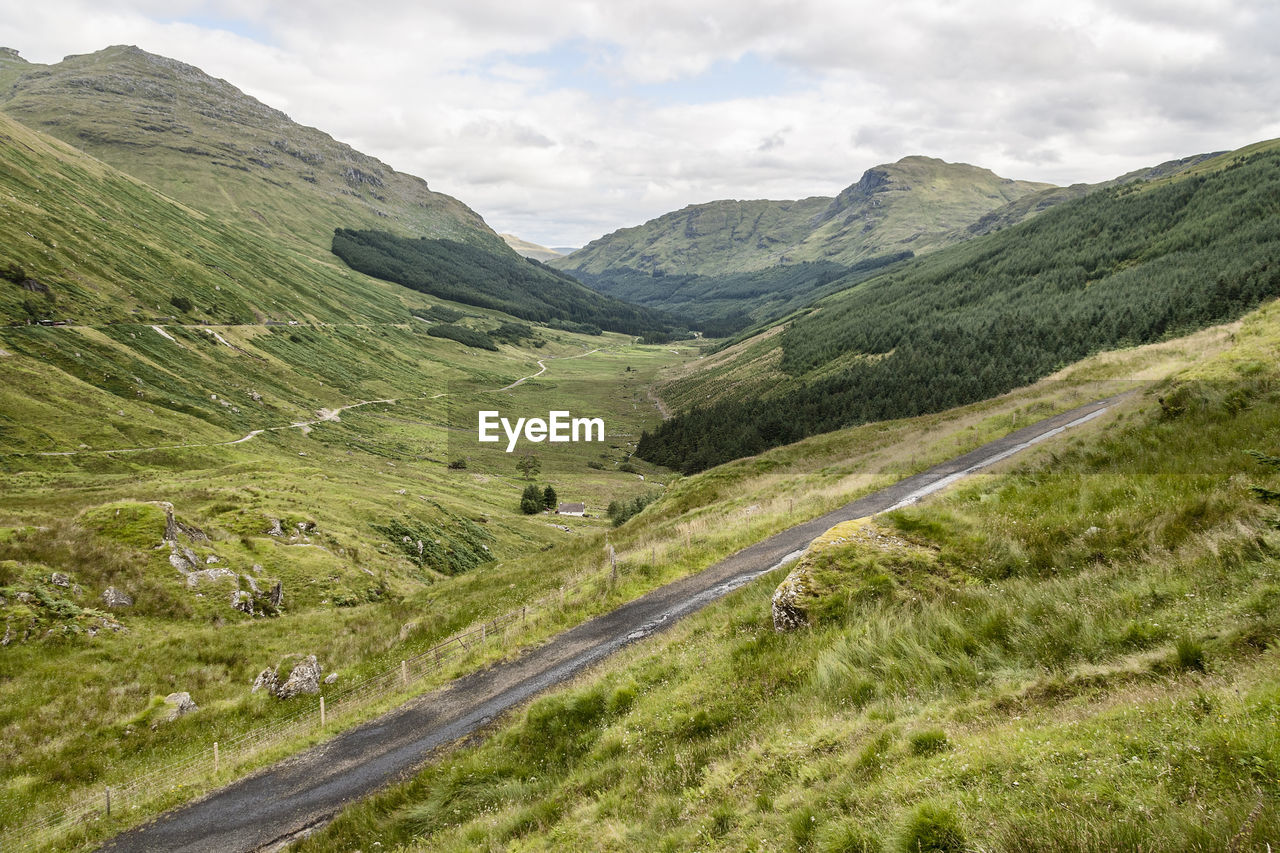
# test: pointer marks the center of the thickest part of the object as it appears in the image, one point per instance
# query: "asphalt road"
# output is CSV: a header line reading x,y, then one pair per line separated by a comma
x,y
283,801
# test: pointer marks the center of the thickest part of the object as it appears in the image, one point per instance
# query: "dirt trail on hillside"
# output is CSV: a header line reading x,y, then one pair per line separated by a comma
x,y
307,790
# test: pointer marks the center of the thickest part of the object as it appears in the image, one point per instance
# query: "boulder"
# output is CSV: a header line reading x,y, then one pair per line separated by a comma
x,y
180,704
242,601
208,576
267,680
277,595
180,563
113,597
788,613
330,678
305,678
60,579
276,529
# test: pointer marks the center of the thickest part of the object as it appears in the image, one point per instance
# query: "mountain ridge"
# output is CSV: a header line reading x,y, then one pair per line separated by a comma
x,y
204,142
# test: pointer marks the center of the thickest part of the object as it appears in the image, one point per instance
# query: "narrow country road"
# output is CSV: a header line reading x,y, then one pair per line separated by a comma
x,y
305,791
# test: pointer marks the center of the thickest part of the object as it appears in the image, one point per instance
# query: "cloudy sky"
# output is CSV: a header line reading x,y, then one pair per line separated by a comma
x,y
561,120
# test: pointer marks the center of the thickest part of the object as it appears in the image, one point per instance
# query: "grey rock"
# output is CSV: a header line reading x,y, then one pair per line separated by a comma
x,y
276,529
208,575
305,678
253,584
114,597
180,563
277,595
211,559
267,680
170,523
60,579
25,597
181,705
788,614
330,678
242,601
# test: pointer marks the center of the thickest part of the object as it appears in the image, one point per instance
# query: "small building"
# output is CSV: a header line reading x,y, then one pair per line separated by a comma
x,y
571,509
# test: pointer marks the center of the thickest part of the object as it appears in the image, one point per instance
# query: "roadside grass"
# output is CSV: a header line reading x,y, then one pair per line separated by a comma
x,y
376,463
1081,655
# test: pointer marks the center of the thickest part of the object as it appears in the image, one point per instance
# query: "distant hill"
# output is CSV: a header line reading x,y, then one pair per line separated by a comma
x,y
895,210
463,273
1129,264
204,142
529,250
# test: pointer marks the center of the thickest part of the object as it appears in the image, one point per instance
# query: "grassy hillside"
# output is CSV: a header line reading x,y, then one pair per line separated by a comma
x,y
504,282
83,242
725,258
205,143
1126,265
302,421
1077,653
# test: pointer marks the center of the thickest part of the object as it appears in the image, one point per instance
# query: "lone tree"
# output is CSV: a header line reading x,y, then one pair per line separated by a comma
x,y
531,500
549,497
529,466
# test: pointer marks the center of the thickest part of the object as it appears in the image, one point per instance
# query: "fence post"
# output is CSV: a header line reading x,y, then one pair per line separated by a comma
x,y
404,673
484,634
215,758
322,712
108,801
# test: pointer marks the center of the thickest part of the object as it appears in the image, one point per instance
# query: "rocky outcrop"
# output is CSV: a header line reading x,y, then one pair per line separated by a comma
x,y
855,559
114,597
305,678
194,579
180,704
242,601
788,610
60,579
267,680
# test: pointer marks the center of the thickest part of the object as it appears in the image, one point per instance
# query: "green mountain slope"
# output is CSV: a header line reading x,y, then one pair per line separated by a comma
x,y
504,282
1130,264
83,242
202,141
1076,653
303,426
687,261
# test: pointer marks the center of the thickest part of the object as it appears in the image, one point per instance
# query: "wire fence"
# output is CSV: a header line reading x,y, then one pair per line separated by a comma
x,y
311,717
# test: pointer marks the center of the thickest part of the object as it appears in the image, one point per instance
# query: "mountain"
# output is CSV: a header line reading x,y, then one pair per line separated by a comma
x,y
204,142
728,263
528,249
914,204
1129,264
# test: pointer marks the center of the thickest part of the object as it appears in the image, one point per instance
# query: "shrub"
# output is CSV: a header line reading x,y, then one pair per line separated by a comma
x,y
1189,654
458,464
847,837
929,742
182,303
932,828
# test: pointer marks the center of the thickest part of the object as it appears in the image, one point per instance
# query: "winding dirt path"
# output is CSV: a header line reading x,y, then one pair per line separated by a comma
x,y
281,802
323,416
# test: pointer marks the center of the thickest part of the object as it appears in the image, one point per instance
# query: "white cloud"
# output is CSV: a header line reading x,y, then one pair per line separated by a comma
x,y
562,120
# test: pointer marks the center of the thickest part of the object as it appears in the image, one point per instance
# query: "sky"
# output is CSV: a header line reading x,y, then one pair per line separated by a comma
x,y
563,120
